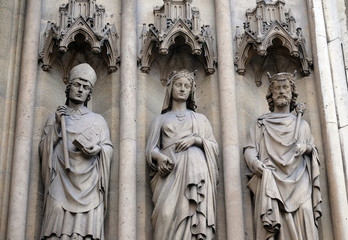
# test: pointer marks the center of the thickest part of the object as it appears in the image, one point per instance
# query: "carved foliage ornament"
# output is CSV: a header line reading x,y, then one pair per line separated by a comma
x,y
176,18
80,17
267,23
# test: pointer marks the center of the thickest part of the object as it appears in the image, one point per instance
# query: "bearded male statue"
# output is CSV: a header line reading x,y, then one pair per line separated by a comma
x,y
284,165
75,153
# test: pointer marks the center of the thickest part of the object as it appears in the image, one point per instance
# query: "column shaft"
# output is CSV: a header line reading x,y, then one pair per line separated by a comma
x,y
10,74
128,135
24,123
338,75
332,150
229,123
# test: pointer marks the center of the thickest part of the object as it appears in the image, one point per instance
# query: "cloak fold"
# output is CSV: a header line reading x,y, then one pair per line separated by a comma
x,y
288,183
185,202
77,197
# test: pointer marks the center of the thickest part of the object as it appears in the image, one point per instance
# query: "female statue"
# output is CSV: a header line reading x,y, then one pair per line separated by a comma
x,y
182,151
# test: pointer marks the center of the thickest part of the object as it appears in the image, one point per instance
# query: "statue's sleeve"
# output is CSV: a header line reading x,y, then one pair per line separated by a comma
x,y
153,140
50,138
210,146
314,169
105,160
251,149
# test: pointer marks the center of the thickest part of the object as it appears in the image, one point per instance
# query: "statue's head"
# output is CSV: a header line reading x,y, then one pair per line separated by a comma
x,y
183,76
282,91
81,82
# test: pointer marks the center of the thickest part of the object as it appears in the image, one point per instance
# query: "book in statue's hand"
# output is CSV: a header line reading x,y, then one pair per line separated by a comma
x,y
88,138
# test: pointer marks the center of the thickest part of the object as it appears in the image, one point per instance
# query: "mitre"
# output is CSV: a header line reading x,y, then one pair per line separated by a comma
x,y
83,71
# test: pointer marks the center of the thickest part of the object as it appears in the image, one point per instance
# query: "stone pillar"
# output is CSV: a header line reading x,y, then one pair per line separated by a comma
x,y
144,203
128,127
11,38
332,150
338,75
24,123
342,7
229,126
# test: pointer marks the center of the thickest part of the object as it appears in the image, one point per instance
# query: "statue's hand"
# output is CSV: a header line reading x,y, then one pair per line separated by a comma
x,y
165,165
92,151
302,148
61,110
259,168
185,143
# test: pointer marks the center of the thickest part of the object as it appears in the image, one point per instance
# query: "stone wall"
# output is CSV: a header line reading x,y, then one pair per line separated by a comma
x,y
213,91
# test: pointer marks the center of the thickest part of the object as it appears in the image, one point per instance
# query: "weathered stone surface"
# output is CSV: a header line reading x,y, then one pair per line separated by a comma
x,y
177,21
184,166
286,191
230,101
270,35
75,153
80,22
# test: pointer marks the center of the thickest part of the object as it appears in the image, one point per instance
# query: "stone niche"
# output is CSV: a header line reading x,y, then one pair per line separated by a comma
x,y
175,36
271,41
80,36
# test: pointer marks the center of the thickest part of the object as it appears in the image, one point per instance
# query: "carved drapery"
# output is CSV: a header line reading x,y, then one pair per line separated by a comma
x,y
84,18
270,25
176,18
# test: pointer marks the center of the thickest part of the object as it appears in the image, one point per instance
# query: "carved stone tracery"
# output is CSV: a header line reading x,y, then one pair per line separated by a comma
x,y
176,18
84,18
270,25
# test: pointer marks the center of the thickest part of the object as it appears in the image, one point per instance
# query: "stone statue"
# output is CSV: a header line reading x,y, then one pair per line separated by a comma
x,y
75,152
284,165
182,151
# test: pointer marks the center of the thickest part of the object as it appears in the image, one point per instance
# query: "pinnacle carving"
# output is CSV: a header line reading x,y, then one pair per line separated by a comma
x,y
267,24
84,18
177,18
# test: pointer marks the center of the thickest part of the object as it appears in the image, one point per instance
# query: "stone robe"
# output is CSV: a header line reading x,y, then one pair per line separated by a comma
x,y
75,199
287,197
184,200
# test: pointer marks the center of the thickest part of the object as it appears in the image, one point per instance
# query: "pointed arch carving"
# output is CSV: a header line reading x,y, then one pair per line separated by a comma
x,y
89,25
262,31
80,27
169,26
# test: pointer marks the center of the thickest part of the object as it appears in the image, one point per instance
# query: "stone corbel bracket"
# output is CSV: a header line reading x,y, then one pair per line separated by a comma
x,y
267,22
85,18
177,19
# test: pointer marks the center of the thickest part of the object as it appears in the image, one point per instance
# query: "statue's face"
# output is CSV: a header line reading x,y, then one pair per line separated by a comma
x,y
79,90
281,93
181,89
